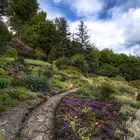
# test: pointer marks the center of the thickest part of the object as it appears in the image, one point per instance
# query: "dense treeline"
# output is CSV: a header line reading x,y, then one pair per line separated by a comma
x,y
52,41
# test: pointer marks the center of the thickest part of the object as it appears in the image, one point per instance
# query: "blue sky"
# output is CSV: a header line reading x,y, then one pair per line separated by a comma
x,y
113,24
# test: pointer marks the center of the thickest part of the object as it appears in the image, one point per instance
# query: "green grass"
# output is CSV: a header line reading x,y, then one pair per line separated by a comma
x,y
59,84
9,97
29,61
123,99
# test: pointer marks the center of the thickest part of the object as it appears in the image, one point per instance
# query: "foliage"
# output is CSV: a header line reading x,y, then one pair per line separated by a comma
x,y
59,84
81,118
39,32
5,35
21,93
10,52
131,69
2,73
89,91
4,82
106,91
2,134
35,83
107,70
5,100
20,11
135,83
46,71
63,61
79,61
82,35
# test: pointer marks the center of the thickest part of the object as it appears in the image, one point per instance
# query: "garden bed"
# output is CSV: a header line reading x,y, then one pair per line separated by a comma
x,y
80,118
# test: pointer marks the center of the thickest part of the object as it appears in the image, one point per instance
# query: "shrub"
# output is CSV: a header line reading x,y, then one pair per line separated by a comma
x,y
2,73
35,83
19,60
4,82
40,54
21,93
2,64
135,83
71,70
106,91
2,134
107,70
5,100
90,91
79,61
59,84
10,52
62,61
46,71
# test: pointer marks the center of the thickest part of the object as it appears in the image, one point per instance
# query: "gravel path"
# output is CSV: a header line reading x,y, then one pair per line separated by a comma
x,y
39,125
11,119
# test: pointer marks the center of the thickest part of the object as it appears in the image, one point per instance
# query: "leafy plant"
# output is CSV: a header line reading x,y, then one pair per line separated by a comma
x,y
21,93
106,90
2,133
59,84
4,82
35,83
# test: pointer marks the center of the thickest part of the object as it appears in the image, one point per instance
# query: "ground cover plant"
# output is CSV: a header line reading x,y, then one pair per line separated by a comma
x,y
108,118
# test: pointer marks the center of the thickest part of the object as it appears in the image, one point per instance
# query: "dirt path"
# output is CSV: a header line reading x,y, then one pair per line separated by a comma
x,y
39,125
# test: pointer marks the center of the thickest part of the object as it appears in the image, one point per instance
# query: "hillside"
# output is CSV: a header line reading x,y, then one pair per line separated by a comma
x,y
58,85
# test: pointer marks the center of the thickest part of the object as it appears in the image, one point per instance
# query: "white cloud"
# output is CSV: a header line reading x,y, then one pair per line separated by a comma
x,y
52,12
83,7
121,34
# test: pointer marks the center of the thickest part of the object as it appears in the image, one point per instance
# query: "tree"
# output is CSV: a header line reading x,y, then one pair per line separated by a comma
x,y
82,35
21,11
39,32
131,68
5,35
63,35
3,6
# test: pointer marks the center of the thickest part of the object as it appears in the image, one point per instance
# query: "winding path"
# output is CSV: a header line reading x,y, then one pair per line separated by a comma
x,y
39,124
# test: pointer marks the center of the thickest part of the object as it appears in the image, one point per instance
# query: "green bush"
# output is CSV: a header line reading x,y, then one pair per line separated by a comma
x,y
106,90
79,61
59,84
90,91
5,100
62,61
4,82
19,60
107,70
135,83
40,54
10,52
2,64
71,70
21,93
35,83
2,73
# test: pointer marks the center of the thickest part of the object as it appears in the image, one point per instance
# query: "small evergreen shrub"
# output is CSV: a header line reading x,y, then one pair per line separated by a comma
x,y
106,90
35,83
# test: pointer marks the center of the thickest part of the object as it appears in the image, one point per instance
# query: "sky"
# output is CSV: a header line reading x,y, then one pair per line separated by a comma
x,y
113,24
